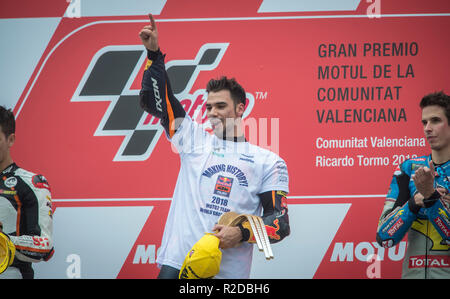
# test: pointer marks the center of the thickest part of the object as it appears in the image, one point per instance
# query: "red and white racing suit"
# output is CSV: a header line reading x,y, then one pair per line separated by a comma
x,y
26,215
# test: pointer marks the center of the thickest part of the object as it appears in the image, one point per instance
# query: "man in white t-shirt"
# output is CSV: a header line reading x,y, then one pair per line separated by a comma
x,y
219,172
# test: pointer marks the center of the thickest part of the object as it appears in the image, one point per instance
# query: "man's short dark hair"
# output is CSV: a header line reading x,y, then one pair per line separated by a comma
x,y
437,99
237,92
7,121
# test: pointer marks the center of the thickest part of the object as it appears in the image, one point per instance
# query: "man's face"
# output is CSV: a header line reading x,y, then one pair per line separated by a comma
x,y
222,113
436,128
5,144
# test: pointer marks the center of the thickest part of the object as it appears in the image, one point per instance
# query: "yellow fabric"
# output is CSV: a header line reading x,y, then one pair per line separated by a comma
x,y
203,260
7,252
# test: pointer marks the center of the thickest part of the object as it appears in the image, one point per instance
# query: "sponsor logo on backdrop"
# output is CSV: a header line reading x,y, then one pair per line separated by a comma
x,y
109,77
350,251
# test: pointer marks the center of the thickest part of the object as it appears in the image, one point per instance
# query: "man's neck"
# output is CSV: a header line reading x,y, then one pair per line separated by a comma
x,y
232,137
236,135
235,138
440,156
5,163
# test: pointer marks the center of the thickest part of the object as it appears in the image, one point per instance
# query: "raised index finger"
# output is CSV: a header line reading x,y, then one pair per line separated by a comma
x,y
152,21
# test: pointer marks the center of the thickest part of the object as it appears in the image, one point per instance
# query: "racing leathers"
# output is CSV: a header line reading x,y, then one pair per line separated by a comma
x,y
26,215
157,98
428,227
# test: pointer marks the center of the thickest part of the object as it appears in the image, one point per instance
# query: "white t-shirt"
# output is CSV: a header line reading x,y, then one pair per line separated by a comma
x,y
216,176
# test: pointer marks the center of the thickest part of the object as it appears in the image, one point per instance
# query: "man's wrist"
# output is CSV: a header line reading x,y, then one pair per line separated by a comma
x,y
245,233
430,200
429,193
415,205
152,55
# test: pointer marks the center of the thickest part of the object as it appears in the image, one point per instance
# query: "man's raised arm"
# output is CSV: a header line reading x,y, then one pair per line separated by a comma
x,y
156,96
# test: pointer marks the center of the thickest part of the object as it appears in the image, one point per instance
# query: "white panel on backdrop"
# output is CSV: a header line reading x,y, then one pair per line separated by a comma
x,y
97,8
92,242
23,42
313,227
307,5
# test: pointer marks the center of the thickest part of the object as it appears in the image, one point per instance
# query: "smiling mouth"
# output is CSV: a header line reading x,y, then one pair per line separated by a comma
x,y
214,123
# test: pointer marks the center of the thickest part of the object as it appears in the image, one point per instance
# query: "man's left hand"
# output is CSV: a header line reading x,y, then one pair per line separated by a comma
x,y
229,236
424,180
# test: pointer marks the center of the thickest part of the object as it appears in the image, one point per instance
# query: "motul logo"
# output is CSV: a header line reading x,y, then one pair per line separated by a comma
x,y
346,252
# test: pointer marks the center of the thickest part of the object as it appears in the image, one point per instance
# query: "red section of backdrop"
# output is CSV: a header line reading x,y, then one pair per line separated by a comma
x,y
289,75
